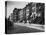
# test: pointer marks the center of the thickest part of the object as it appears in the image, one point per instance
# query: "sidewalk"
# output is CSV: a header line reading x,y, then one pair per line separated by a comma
x,y
35,26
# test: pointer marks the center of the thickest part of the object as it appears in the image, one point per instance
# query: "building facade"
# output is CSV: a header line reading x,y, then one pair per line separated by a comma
x,y
31,13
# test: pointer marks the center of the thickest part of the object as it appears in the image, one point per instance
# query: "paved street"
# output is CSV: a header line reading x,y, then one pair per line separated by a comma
x,y
35,26
17,28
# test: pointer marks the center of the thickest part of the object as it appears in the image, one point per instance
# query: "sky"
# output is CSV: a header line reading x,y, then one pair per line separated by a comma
x,y
14,4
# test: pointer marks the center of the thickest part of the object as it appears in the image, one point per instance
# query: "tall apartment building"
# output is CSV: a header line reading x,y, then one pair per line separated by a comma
x,y
16,14
31,13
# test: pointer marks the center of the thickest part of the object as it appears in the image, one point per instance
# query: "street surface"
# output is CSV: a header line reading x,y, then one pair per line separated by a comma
x,y
35,26
25,28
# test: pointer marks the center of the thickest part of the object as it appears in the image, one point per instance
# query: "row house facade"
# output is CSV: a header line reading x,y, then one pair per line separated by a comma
x,y
31,13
